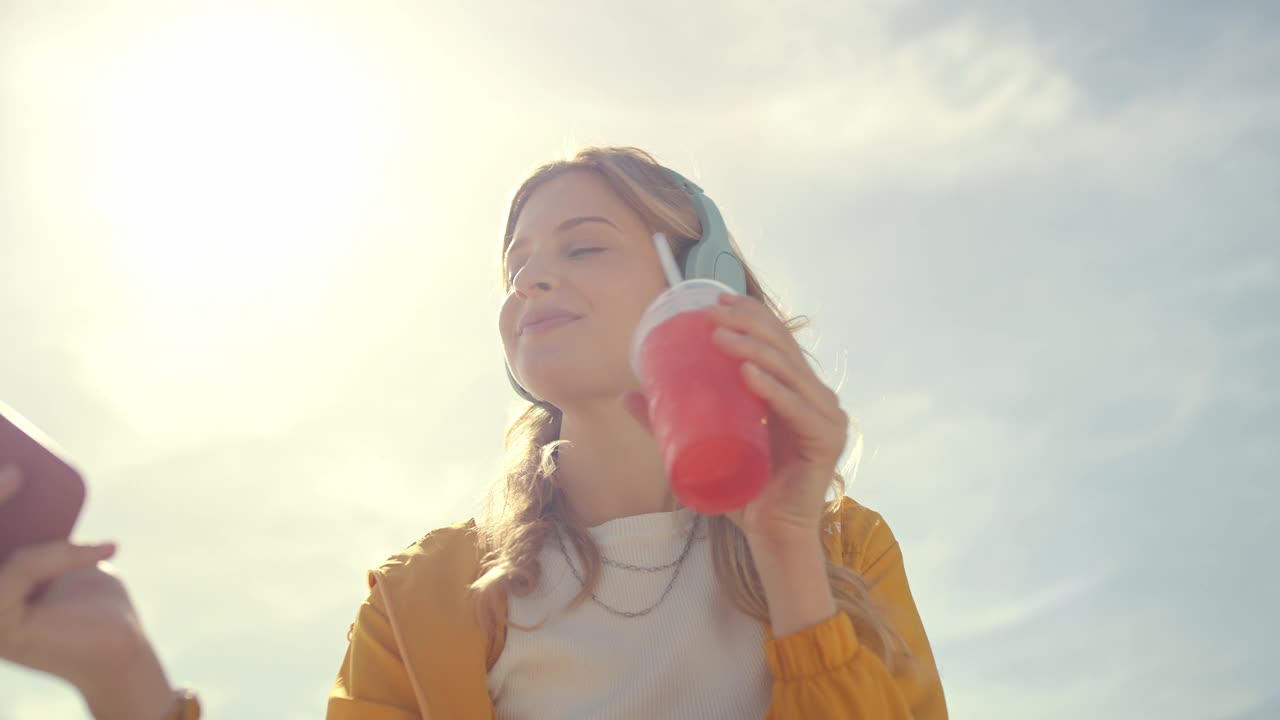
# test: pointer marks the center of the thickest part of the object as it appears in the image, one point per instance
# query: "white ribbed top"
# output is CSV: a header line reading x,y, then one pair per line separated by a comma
x,y
694,656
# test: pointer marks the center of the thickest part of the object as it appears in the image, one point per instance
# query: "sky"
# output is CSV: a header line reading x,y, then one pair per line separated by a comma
x,y
248,264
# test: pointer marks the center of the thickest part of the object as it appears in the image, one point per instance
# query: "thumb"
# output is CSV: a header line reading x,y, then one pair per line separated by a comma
x,y
31,568
637,405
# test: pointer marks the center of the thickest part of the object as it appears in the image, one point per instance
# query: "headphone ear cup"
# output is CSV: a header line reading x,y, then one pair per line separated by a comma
x,y
712,262
729,270
711,257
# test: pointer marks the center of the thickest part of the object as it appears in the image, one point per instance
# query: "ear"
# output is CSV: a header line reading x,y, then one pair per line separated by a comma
x,y
637,405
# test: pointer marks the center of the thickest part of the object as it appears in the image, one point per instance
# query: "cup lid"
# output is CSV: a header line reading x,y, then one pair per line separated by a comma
x,y
686,296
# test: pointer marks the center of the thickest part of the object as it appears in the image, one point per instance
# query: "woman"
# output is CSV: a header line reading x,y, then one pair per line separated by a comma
x,y
585,591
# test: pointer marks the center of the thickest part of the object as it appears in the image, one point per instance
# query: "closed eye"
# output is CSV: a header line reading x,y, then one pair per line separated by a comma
x,y
512,277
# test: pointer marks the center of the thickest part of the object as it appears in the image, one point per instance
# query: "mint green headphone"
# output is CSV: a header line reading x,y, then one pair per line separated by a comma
x,y
711,257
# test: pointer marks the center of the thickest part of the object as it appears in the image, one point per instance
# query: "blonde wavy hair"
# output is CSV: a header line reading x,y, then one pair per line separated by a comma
x,y
526,504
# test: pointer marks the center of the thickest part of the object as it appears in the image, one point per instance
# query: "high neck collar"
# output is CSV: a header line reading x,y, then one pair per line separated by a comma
x,y
658,524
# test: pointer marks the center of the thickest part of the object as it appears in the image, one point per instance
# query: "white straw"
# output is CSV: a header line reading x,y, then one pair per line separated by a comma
x,y
668,260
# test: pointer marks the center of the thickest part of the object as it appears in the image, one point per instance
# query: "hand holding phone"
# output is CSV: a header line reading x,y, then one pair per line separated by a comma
x,y
61,612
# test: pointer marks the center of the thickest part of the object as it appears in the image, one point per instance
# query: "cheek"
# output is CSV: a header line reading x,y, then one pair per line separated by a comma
x,y
507,320
626,316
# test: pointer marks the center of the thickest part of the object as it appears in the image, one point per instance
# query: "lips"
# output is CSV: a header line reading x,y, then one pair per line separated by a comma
x,y
545,319
546,326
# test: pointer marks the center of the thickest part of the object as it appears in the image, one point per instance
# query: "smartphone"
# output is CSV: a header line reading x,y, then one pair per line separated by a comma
x,y
46,506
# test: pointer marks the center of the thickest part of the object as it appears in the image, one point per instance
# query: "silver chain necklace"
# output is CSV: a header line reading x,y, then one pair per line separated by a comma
x,y
693,531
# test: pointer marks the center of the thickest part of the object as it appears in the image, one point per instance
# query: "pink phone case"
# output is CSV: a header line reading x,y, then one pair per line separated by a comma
x,y
47,505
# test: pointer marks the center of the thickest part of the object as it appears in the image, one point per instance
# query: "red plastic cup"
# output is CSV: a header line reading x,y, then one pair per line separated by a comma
x,y
709,425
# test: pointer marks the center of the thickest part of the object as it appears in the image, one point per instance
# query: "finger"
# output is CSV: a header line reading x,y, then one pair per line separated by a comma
x,y
790,406
801,381
10,481
32,565
746,314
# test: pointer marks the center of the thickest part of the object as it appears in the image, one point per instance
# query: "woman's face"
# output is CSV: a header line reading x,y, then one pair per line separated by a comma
x,y
604,270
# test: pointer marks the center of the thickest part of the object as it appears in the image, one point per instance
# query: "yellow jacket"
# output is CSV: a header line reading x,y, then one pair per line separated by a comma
x,y
418,651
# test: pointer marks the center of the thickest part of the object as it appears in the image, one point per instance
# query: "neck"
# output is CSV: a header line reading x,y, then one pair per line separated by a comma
x,y
611,467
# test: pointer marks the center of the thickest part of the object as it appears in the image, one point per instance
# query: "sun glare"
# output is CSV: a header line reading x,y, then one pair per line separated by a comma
x,y
235,158
233,164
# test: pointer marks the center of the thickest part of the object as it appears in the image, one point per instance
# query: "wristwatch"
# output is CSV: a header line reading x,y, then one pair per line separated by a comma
x,y
186,706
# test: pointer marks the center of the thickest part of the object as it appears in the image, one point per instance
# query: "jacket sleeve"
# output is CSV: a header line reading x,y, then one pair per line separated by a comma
x,y
372,683
824,672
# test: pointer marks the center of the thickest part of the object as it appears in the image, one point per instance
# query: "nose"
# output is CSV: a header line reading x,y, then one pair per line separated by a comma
x,y
534,275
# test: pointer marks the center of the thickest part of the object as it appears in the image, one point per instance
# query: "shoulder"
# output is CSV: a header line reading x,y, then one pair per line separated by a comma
x,y
856,534
424,594
449,553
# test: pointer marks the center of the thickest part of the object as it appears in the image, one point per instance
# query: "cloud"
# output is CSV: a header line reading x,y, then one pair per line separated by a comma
x,y
1038,240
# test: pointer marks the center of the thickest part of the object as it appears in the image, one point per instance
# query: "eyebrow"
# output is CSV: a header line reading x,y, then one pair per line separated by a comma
x,y
566,225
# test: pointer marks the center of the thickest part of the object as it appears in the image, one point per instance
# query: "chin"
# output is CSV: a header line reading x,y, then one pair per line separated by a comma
x,y
581,384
